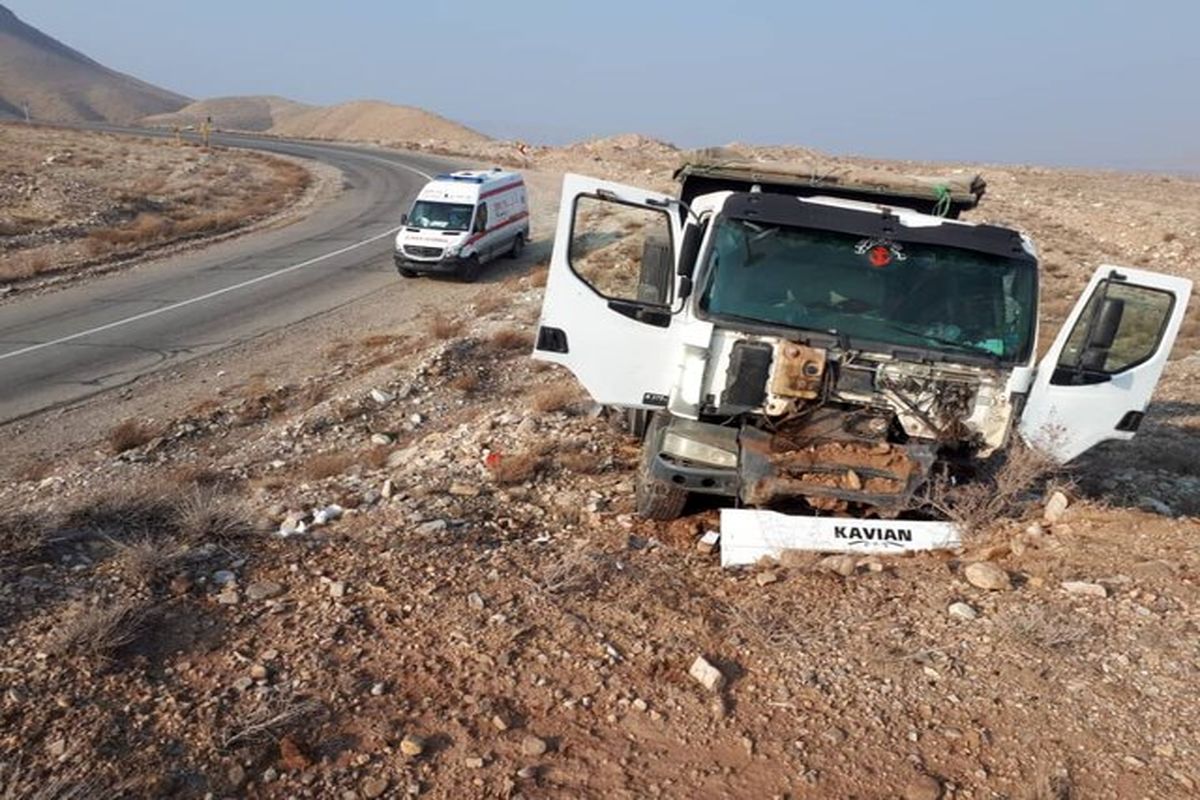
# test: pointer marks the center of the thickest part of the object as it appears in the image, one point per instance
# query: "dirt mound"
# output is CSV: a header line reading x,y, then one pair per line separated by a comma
x,y
233,113
372,120
63,85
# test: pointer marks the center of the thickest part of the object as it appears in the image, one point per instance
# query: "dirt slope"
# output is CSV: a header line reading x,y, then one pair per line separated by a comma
x,y
254,113
372,120
64,85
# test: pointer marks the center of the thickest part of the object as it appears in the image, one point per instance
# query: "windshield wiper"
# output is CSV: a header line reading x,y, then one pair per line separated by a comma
x,y
960,346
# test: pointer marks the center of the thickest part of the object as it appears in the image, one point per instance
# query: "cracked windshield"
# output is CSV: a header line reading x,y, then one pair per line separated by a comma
x,y
935,297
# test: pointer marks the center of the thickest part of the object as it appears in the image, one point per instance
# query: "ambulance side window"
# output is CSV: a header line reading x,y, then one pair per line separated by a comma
x,y
481,218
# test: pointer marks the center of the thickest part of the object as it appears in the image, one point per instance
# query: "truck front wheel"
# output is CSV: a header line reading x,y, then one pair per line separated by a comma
x,y
656,499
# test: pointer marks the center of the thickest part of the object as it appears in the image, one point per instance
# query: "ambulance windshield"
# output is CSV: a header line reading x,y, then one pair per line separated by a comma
x,y
440,216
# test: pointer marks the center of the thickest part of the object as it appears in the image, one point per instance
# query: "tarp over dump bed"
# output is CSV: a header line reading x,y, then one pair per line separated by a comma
x,y
943,196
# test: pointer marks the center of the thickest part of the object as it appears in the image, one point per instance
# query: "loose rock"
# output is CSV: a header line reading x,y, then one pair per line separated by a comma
x,y
533,746
707,675
986,575
962,611
1055,507
841,564
412,745
1085,588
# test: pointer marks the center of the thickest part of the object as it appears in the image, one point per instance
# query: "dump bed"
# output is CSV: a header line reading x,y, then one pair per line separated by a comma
x,y
943,196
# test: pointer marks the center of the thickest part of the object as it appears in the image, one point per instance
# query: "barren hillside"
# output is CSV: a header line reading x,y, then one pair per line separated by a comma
x,y
374,558
59,84
371,120
232,113
72,200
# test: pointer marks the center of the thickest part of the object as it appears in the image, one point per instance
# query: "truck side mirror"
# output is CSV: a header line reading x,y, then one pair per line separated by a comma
x,y
689,250
1103,334
404,219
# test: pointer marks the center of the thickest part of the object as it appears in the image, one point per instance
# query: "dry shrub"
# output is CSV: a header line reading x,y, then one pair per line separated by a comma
x,y
377,340
582,462
18,266
491,300
208,514
1003,490
515,468
582,570
466,382
326,465
129,434
144,560
377,456
101,631
509,339
1048,628
539,276
271,723
125,513
35,469
557,397
21,533
146,228
443,326
209,223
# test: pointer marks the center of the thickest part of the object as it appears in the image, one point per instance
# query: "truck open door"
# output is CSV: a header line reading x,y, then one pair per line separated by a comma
x,y
1095,382
607,312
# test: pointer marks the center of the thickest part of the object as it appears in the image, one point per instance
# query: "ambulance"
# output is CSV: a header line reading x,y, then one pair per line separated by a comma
x,y
462,220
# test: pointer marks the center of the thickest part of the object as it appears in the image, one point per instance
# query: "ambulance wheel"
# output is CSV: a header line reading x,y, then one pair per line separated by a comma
x,y
407,273
517,246
656,499
468,271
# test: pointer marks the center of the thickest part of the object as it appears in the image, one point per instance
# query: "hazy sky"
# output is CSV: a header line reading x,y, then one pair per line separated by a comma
x,y
1055,81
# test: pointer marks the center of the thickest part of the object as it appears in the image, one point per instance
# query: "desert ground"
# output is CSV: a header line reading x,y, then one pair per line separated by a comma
x,y
72,201
384,560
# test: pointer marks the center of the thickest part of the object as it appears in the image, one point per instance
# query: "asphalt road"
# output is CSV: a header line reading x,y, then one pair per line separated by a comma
x,y
105,332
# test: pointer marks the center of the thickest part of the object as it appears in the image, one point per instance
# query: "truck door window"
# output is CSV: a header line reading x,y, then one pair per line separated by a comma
x,y
1120,327
623,252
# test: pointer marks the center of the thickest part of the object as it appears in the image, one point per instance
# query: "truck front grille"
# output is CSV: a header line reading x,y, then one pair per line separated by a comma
x,y
416,251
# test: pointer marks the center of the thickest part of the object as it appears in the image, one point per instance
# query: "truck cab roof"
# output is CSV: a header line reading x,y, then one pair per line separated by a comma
x,y
938,196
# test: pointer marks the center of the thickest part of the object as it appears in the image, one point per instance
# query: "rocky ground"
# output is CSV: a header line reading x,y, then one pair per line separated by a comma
x,y
410,568
77,200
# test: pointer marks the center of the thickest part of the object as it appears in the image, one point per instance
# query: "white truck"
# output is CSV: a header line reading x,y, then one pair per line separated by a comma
x,y
829,343
462,220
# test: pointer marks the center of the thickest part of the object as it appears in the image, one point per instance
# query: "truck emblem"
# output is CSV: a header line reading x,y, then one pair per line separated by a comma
x,y
880,252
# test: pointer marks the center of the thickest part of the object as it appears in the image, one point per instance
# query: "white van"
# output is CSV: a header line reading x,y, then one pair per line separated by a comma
x,y
462,220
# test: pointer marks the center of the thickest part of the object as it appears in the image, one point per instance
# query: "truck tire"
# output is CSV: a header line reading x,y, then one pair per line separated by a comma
x,y
468,271
518,246
636,420
656,499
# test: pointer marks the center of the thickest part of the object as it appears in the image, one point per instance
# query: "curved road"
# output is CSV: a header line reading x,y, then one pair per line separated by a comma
x,y
104,332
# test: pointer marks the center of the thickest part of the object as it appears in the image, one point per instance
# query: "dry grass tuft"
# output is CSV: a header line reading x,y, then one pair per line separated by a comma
x,y
515,468
129,434
1048,628
102,631
491,301
443,326
272,723
1006,491
582,462
326,465
557,397
144,561
583,570
509,339
466,383
208,514
539,276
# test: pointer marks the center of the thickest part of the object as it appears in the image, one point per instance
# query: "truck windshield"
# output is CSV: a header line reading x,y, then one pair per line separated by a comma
x,y
443,216
926,295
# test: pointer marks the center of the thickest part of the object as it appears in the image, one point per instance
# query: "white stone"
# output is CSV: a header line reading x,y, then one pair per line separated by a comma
x,y
962,611
1085,588
1055,507
986,575
707,675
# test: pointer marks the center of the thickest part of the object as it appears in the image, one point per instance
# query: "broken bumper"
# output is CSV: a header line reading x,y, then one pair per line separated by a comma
x,y
832,472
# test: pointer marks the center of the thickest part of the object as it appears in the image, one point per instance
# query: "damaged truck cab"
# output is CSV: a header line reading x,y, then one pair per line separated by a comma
x,y
830,343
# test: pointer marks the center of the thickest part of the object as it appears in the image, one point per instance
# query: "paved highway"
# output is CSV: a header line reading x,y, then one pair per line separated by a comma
x,y
104,332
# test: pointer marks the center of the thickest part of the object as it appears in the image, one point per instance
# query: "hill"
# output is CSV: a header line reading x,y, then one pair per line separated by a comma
x,y
233,113
372,120
63,85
